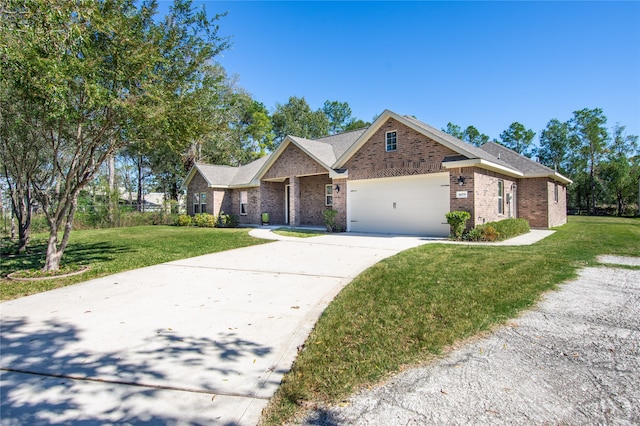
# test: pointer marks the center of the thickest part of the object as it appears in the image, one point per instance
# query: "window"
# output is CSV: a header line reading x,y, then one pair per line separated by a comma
x,y
392,141
500,197
555,192
243,203
203,202
196,203
328,195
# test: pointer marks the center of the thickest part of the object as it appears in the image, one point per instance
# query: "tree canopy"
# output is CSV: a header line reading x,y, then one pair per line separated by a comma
x,y
97,76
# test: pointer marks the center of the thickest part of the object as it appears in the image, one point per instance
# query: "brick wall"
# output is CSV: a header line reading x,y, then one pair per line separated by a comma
x,y
557,209
312,199
293,162
221,201
272,201
486,196
340,202
196,186
253,205
462,204
415,154
532,201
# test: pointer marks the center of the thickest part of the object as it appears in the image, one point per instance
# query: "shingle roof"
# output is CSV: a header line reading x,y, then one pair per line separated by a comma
x,y
526,165
217,175
329,150
322,151
467,149
247,173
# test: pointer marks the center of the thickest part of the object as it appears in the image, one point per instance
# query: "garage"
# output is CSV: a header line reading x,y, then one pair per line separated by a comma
x,y
408,205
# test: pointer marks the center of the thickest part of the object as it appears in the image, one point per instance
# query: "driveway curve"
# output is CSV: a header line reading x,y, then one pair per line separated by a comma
x,y
203,340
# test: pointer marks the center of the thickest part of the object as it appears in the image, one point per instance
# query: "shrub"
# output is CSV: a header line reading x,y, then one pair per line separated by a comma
x,y
330,220
183,220
227,221
510,228
474,234
458,221
204,220
489,233
494,231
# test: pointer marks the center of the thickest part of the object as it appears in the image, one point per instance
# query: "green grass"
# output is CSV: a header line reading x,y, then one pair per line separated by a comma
x,y
411,307
298,232
108,251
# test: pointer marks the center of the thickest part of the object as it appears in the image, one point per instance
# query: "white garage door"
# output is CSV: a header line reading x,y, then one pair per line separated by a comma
x,y
411,205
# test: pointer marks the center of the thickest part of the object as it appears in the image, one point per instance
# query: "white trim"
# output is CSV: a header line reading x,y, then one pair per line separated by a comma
x,y
327,195
479,162
386,141
245,195
554,175
278,152
287,204
386,115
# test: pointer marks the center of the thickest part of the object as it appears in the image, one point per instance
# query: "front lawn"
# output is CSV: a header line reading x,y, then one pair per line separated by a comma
x,y
411,307
108,251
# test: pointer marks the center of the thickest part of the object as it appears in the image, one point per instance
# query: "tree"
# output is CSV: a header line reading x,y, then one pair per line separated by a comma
x,y
357,124
96,73
470,134
474,137
339,115
590,137
555,146
454,130
518,138
616,171
296,118
20,159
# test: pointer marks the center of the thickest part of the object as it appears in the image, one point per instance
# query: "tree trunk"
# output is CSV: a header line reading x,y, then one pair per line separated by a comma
x,y
55,250
21,207
139,199
620,204
112,196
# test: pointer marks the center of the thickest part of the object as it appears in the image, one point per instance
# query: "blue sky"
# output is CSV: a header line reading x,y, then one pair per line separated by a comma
x,y
485,64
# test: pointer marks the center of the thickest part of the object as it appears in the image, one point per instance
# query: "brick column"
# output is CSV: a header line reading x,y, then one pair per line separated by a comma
x,y
340,202
294,207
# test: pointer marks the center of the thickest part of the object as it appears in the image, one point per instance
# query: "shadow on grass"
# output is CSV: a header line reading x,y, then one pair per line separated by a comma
x,y
75,254
48,378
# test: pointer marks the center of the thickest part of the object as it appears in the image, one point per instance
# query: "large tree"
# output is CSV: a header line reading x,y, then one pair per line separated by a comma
x,y
590,136
95,73
296,118
616,171
518,138
555,146
339,115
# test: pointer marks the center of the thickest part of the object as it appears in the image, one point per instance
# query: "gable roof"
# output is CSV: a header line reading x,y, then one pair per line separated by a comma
x,y
472,155
526,165
226,176
332,152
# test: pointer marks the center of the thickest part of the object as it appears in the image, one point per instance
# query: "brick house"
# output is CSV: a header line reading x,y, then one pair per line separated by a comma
x,y
398,176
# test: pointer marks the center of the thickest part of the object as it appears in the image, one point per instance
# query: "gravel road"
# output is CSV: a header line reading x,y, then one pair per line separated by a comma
x,y
574,359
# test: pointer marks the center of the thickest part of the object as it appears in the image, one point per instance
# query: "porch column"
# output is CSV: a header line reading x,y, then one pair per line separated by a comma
x,y
294,206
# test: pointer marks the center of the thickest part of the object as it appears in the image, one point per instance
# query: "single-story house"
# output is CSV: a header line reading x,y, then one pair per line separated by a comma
x,y
397,176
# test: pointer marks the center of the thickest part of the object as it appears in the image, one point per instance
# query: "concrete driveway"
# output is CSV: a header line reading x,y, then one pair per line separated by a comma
x,y
204,340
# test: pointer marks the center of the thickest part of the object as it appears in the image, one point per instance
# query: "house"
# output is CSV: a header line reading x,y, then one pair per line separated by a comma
x,y
397,176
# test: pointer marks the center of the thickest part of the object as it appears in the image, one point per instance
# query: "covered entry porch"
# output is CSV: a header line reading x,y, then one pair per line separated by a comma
x,y
297,200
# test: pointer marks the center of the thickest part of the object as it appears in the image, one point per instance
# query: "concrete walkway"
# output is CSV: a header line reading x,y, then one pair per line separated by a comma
x,y
204,340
